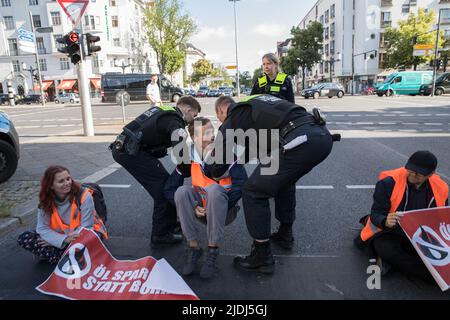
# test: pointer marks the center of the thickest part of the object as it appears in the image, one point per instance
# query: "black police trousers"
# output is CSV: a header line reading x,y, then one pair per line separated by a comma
x,y
293,164
152,175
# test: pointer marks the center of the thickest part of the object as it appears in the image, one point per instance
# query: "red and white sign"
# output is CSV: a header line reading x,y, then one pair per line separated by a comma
x,y
429,232
88,271
74,9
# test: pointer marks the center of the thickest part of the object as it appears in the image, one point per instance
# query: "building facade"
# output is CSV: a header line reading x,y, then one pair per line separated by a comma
x,y
354,46
118,23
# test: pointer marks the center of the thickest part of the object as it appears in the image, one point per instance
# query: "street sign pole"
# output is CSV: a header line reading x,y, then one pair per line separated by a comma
x,y
83,87
122,103
37,61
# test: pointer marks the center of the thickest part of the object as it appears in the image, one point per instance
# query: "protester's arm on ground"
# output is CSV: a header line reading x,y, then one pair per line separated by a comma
x,y
382,202
45,232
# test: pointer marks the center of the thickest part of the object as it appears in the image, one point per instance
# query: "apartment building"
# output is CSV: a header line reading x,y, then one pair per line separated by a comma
x,y
118,23
355,27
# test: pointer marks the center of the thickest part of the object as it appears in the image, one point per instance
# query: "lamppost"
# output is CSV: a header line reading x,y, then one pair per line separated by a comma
x,y
238,89
123,66
435,53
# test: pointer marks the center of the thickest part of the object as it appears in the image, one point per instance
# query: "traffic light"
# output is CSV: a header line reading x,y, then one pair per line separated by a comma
x,y
36,76
91,47
71,46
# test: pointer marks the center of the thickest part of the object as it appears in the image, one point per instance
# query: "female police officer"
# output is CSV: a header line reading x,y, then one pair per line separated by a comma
x,y
273,81
278,84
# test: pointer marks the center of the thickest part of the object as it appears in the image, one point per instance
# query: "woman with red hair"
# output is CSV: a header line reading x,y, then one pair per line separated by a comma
x,y
64,207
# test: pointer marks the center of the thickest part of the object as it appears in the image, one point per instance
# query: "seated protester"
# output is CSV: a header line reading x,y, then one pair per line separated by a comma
x,y
413,187
64,207
210,201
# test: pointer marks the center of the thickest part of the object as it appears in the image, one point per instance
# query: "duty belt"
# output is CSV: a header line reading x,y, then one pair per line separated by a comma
x,y
295,124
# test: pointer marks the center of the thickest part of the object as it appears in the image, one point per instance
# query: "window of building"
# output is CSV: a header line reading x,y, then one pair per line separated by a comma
x,y
6,3
95,61
40,45
405,8
332,29
327,16
321,67
113,3
64,63
43,64
445,15
37,21
116,42
33,2
332,47
56,37
56,18
353,22
333,11
327,47
386,19
321,19
115,21
326,67
9,22
13,50
16,65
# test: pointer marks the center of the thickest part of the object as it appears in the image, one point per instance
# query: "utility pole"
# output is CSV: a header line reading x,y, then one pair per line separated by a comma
x,y
37,60
238,89
83,87
436,46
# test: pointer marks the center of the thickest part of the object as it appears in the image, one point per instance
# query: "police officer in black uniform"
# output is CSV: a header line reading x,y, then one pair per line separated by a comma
x,y
304,143
140,146
278,84
273,81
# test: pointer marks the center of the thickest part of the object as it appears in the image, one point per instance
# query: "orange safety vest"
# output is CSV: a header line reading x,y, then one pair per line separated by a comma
x,y
400,176
58,225
200,181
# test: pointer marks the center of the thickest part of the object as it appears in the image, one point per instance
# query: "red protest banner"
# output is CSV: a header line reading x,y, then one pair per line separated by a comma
x,y
88,271
429,232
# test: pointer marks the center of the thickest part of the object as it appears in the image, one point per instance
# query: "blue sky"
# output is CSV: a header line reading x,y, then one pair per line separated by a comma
x,y
261,23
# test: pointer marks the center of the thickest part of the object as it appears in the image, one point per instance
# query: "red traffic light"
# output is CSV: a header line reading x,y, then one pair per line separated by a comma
x,y
74,37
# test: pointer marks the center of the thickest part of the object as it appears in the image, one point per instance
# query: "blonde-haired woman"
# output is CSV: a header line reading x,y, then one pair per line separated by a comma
x,y
273,81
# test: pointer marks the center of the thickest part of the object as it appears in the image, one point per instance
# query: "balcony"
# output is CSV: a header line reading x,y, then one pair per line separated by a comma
x,y
386,24
386,3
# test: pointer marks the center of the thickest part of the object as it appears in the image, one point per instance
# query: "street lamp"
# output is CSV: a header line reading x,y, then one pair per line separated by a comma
x,y
238,89
435,53
123,66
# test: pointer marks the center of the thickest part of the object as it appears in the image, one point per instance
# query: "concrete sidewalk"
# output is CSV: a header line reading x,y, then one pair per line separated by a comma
x,y
88,158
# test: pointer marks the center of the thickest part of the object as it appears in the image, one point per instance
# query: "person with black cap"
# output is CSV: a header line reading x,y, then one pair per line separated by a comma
x,y
412,187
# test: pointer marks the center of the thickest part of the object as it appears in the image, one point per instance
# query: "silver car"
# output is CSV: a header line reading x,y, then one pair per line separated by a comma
x,y
67,97
9,148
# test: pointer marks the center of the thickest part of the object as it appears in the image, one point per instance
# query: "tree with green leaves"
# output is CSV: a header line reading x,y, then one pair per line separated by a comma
x,y
168,31
304,52
401,40
202,69
245,79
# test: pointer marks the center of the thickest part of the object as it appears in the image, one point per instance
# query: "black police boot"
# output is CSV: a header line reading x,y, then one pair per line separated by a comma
x,y
283,237
165,240
259,260
192,257
177,228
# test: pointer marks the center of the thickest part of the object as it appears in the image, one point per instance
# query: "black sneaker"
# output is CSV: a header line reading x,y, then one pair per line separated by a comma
x,y
259,260
209,267
165,240
192,257
283,237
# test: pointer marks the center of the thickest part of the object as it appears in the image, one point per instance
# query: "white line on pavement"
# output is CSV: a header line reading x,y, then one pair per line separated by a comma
x,y
361,187
102,173
314,187
433,124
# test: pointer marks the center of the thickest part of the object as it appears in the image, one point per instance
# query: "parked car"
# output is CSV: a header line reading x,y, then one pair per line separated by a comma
x,y
405,82
202,91
327,89
30,98
189,92
4,99
227,92
9,148
136,86
442,86
247,91
67,98
213,93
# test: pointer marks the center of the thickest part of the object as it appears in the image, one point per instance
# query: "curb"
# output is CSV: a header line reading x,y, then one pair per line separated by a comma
x,y
21,215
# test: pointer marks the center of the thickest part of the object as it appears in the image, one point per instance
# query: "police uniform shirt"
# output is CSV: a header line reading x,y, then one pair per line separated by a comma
x,y
286,92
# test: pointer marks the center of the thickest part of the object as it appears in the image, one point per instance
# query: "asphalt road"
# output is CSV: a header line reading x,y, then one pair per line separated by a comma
x,y
378,134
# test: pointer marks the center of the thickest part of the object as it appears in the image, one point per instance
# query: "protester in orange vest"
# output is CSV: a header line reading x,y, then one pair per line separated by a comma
x,y
413,187
213,202
64,207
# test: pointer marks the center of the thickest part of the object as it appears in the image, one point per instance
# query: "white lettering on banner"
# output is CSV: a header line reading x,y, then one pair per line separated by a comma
x,y
374,279
430,244
445,231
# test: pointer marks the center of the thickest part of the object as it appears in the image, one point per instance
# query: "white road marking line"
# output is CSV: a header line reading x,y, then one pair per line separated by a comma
x,y
424,115
390,115
314,187
355,115
387,123
115,186
50,126
365,123
360,187
406,115
27,127
433,124
443,114
102,173
411,123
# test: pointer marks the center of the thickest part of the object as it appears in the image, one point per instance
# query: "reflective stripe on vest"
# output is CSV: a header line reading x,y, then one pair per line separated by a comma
x,y
200,181
262,81
400,176
59,226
